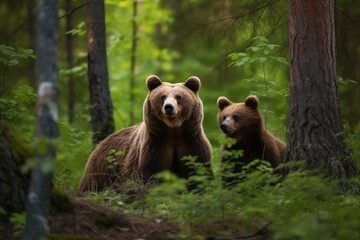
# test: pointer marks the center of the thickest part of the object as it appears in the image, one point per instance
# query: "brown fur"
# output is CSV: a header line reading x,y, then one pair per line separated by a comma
x,y
244,122
159,142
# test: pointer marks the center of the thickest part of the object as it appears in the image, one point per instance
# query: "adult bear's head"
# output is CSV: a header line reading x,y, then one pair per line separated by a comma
x,y
173,103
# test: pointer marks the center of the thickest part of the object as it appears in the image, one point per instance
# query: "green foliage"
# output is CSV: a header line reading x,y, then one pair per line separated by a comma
x,y
353,140
10,56
258,52
17,108
18,222
299,206
80,29
77,71
108,198
73,149
149,57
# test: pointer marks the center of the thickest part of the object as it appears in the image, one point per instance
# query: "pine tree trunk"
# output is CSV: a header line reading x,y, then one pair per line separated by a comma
x,y
316,130
46,122
133,60
100,99
70,62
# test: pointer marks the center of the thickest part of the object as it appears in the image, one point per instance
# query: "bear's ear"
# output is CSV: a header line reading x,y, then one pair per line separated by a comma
x,y
153,82
252,101
193,83
223,102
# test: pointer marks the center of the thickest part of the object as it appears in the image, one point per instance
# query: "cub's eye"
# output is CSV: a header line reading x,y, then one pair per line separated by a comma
x,y
235,117
178,97
163,97
224,117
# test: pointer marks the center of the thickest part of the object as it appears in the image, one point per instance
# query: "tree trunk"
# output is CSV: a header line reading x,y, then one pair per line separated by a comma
x,y
316,130
133,60
70,62
100,99
46,123
31,12
13,184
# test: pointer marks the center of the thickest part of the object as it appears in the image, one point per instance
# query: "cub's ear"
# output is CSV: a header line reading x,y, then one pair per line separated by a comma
x,y
252,101
153,82
193,83
223,102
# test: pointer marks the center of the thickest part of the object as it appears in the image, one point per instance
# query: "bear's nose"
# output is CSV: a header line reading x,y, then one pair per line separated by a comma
x,y
169,109
223,127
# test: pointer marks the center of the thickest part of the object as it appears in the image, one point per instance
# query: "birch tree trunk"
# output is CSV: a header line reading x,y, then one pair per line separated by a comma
x,y
38,203
316,129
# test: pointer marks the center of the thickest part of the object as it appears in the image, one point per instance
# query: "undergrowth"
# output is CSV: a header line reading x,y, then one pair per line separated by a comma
x,y
302,205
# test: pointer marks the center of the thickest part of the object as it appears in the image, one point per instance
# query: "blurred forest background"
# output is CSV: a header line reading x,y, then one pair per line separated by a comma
x,y
174,39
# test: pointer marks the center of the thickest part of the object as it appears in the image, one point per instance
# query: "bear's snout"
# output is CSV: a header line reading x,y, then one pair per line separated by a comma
x,y
169,109
224,127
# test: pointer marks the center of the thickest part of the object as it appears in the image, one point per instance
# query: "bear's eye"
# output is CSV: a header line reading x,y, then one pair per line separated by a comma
x,y
178,97
163,97
224,117
236,117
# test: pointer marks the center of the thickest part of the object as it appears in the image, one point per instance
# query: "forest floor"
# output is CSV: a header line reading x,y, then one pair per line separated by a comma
x,y
91,221
95,222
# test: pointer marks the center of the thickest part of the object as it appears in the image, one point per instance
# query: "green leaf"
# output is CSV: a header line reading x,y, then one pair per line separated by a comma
x,y
234,56
280,60
47,166
13,62
260,39
262,59
253,49
345,81
8,51
29,164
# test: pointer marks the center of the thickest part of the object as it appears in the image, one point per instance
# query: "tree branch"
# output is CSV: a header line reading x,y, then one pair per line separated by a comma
x,y
73,10
229,18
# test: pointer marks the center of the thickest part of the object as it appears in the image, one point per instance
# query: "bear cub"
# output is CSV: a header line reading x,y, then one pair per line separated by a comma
x,y
171,128
244,122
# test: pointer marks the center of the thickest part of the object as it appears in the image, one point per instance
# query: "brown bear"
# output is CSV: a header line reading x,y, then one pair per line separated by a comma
x,y
171,128
244,122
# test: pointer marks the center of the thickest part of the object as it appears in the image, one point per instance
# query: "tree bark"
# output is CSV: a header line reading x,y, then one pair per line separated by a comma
x,y
133,60
100,99
316,130
13,184
70,62
46,122
31,12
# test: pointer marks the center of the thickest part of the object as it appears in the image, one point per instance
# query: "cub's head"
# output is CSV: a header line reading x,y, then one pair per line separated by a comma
x,y
239,119
173,103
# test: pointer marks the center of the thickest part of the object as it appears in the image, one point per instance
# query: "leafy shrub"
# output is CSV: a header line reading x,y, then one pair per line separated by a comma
x,y
18,222
299,206
73,149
